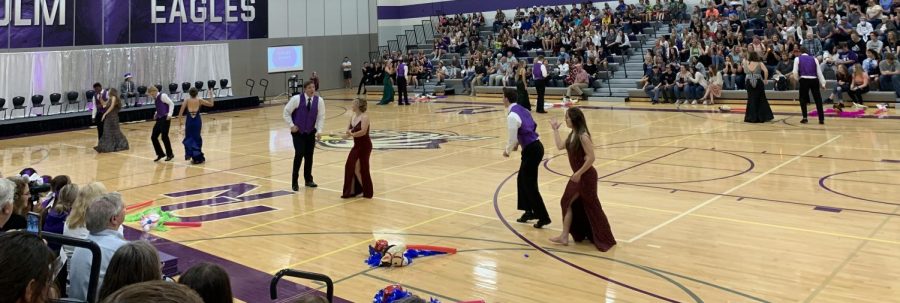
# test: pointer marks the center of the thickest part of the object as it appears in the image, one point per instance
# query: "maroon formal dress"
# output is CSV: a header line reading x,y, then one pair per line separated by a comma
x,y
588,220
362,149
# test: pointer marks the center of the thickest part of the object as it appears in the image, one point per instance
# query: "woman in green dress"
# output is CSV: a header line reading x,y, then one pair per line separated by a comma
x,y
388,86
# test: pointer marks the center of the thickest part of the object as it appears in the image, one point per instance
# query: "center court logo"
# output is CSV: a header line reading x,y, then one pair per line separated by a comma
x,y
388,139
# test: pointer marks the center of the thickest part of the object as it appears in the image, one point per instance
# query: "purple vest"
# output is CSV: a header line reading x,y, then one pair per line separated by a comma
x,y
807,66
536,71
162,109
400,69
527,133
305,119
103,95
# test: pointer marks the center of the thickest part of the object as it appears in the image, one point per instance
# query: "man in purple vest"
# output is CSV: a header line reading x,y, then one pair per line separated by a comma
x,y
523,131
305,114
402,74
97,110
807,68
539,74
163,116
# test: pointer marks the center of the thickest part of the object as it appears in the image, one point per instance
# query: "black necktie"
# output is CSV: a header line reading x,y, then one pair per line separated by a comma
x,y
309,104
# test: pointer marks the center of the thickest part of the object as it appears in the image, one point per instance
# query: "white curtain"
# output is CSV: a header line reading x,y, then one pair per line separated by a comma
x,y
45,73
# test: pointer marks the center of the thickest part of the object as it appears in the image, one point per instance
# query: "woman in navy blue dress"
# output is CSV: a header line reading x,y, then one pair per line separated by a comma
x,y
193,143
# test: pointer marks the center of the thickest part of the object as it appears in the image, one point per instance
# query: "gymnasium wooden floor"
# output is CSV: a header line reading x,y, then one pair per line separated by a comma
x,y
705,207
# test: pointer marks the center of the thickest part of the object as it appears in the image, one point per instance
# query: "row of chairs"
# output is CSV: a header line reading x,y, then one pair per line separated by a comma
x,y
37,101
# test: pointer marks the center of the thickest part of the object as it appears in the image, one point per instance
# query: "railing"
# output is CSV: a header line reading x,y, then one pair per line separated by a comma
x,y
329,284
94,278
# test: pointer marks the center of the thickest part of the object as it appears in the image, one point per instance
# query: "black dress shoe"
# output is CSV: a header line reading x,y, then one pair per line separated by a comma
x,y
311,184
804,121
541,112
169,158
821,122
295,187
541,223
525,217
158,158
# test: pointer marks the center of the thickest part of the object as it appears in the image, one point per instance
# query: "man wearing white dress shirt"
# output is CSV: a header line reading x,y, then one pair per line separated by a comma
x,y
523,131
539,74
305,114
103,218
807,68
163,116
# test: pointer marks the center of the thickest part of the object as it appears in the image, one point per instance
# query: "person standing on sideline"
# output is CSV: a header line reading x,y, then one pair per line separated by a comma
x,y
402,78
807,68
305,114
164,110
97,111
539,74
347,67
127,91
315,80
367,76
523,131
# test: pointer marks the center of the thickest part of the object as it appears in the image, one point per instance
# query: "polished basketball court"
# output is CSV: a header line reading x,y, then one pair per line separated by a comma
x,y
705,207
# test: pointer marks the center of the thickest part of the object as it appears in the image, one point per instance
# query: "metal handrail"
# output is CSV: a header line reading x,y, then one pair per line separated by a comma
x,y
329,284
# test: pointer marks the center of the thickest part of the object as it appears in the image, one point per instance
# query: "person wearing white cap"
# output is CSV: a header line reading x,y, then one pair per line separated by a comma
x,y
128,91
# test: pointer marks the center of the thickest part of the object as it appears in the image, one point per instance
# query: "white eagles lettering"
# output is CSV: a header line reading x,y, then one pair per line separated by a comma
x,y
199,11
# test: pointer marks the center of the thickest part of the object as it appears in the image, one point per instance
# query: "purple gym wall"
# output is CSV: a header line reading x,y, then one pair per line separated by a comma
x,y
108,22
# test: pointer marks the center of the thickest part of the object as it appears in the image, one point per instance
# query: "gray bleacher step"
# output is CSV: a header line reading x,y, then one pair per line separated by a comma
x,y
605,99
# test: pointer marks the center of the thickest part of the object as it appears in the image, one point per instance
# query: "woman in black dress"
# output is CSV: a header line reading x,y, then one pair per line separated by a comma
x,y
522,86
113,139
758,110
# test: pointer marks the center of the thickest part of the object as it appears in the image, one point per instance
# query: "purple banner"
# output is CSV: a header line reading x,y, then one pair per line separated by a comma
x,y
28,34
49,23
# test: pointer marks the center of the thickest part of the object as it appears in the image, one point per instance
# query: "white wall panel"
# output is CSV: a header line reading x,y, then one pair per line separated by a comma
x,y
296,18
373,16
315,17
349,18
362,16
333,17
278,19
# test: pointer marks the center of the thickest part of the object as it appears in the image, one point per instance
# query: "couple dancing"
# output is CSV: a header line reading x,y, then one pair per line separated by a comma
x,y
583,217
806,67
305,115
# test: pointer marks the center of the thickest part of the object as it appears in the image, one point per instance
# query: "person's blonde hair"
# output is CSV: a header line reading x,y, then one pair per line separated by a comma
x,y
85,196
152,89
361,104
66,198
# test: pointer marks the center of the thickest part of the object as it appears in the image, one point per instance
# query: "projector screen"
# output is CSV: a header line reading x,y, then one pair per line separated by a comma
x,y
285,59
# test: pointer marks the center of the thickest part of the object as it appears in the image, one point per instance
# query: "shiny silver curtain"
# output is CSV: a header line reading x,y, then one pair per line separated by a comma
x,y
44,73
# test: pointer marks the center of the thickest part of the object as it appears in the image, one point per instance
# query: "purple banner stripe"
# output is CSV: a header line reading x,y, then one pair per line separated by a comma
x,y
828,209
247,284
425,10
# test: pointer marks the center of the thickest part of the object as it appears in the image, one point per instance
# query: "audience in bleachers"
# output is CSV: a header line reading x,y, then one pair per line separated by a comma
x,y
839,33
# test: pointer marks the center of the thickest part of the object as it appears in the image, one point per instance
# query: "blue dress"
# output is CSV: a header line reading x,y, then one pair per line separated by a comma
x,y
193,143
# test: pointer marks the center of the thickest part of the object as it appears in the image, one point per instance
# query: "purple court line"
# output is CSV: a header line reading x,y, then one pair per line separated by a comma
x,y
890,161
635,166
247,284
822,185
558,258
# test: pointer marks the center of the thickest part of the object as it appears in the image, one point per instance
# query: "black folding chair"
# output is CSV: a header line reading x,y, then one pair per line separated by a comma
x,y
329,284
251,83
265,84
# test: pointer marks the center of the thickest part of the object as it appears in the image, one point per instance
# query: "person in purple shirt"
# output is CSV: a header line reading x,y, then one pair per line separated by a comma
x,y
163,116
811,78
305,114
97,110
523,132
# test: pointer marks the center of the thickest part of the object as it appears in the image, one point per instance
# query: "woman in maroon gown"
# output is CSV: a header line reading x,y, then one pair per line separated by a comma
x,y
582,215
357,179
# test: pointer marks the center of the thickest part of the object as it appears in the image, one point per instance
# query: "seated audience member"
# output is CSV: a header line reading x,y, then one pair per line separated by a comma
x,y
133,263
154,292
20,210
75,222
26,267
7,192
210,281
103,218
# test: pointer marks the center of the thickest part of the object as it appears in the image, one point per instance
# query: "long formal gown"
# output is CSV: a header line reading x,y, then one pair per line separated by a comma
x,y
193,143
588,220
362,149
758,110
112,140
388,90
522,95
